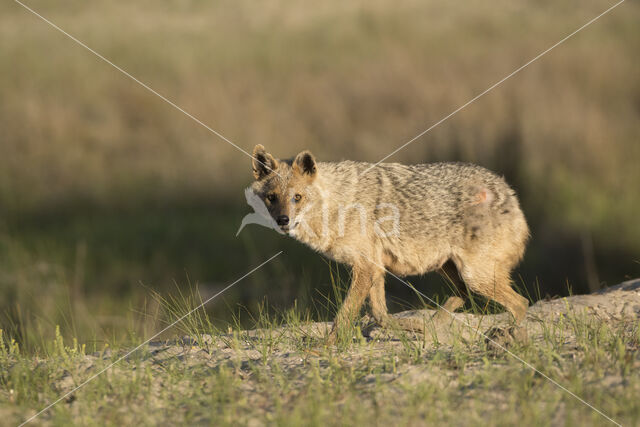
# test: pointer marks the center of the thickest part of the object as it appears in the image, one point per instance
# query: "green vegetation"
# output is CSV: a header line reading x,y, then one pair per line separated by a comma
x,y
283,373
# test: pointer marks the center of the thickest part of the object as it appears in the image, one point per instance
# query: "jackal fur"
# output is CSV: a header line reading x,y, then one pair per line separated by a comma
x,y
458,219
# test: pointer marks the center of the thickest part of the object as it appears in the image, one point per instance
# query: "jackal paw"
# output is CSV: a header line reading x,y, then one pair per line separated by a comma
x,y
331,338
381,327
500,338
370,329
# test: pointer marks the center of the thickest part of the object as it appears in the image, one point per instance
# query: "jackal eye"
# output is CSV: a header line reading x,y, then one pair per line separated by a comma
x,y
297,197
271,197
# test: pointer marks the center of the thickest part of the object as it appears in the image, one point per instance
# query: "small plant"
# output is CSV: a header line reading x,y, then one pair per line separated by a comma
x,y
65,352
9,351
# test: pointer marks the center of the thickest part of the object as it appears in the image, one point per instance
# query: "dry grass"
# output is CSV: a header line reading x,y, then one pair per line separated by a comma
x,y
347,81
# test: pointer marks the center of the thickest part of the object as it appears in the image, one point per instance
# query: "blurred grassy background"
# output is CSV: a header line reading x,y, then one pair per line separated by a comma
x,y
107,192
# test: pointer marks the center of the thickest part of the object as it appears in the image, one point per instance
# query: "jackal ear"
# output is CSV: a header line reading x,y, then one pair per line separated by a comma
x,y
305,163
262,163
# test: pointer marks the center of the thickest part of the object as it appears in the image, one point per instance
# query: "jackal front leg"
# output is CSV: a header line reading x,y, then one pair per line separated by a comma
x,y
362,279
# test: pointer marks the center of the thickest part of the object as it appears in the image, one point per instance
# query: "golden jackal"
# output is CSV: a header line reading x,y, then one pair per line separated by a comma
x,y
458,219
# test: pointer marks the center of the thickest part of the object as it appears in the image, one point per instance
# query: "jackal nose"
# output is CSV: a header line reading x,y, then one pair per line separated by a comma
x,y
282,220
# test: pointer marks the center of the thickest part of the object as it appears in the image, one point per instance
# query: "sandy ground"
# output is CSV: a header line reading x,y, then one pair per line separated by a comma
x,y
613,304
291,353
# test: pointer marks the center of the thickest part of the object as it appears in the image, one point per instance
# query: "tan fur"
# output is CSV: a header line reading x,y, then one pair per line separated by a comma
x,y
458,219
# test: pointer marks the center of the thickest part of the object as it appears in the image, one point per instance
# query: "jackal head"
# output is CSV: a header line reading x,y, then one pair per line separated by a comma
x,y
286,186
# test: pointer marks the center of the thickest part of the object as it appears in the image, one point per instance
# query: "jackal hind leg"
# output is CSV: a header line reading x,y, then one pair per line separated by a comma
x,y
494,282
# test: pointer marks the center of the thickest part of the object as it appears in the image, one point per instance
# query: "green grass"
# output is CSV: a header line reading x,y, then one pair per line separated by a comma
x,y
281,373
